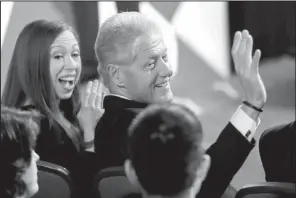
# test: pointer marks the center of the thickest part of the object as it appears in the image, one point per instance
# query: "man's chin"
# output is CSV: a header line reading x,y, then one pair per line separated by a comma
x,y
166,98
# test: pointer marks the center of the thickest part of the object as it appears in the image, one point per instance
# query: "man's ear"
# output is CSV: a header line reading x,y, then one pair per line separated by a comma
x,y
131,173
115,76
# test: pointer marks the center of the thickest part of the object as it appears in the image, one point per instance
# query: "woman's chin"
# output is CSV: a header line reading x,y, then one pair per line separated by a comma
x,y
65,96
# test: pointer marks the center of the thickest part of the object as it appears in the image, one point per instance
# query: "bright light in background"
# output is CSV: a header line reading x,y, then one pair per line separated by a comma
x,y
106,10
6,8
203,26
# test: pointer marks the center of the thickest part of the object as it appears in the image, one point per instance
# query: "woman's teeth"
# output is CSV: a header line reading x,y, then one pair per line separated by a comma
x,y
67,82
67,78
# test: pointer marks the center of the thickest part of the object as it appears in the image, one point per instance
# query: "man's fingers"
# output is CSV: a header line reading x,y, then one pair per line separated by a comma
x,y
256,59
249,45
242,46
236,42
88,92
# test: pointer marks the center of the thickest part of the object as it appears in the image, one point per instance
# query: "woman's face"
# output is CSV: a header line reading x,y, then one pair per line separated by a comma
x,y
30,176
65,64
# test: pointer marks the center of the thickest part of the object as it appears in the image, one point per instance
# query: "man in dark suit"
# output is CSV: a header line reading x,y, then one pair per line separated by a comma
x,y
134,65
277,147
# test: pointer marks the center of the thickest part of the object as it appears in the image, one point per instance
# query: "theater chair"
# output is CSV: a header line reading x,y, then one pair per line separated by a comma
x,y
267,190
112,183
54,181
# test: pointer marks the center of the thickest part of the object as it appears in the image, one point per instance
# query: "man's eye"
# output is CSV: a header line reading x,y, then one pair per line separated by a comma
x,y
76,54
150,66
58,57
165,58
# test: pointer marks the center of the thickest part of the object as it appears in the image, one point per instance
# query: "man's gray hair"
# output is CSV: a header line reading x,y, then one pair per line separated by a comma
x,y
117,37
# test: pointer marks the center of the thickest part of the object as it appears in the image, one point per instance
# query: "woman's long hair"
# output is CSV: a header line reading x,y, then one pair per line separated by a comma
x,y
29,77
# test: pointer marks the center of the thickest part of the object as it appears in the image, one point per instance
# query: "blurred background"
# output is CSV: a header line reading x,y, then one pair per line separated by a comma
x,y
199,37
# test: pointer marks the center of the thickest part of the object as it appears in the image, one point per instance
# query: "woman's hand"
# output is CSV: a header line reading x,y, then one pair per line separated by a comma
x,y
91,109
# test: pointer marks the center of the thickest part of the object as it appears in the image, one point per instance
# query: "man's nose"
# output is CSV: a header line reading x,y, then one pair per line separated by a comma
x,y
166,69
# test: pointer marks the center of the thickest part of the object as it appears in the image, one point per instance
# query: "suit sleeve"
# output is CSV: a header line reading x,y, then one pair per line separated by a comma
x,y
227,154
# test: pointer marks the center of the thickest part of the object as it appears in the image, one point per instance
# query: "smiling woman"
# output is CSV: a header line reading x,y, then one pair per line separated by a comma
x,y
28,82
44,75
65,64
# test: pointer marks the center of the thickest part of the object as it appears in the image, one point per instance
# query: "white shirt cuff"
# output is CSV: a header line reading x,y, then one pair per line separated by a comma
x,y
244,124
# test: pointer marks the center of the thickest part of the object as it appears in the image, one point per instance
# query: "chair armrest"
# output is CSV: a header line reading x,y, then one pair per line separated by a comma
x,y
279,188
57,170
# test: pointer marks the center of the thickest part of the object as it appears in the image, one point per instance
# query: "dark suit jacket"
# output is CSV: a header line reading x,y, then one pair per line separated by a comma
x,y
228,153
53,145
277,147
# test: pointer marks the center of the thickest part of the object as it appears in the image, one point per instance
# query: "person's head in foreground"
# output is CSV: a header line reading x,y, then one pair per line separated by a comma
x,y
277,151
133,58
44,71
165,155
18,169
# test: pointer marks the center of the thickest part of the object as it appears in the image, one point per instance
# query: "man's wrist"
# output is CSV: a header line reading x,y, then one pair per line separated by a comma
x,y
251,112
256,103
245,121
252,106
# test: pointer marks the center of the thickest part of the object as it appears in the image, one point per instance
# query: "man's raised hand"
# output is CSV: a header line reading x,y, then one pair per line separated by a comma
x,y
247,68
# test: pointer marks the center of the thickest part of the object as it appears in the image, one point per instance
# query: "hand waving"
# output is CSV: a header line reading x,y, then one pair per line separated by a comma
x,y
91,109
247,68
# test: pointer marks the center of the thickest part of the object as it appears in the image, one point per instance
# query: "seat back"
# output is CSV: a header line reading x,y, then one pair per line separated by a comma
x,y
54,181
112,183
267,190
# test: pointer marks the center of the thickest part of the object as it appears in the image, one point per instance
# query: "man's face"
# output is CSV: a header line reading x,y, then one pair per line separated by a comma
x,y
148,78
